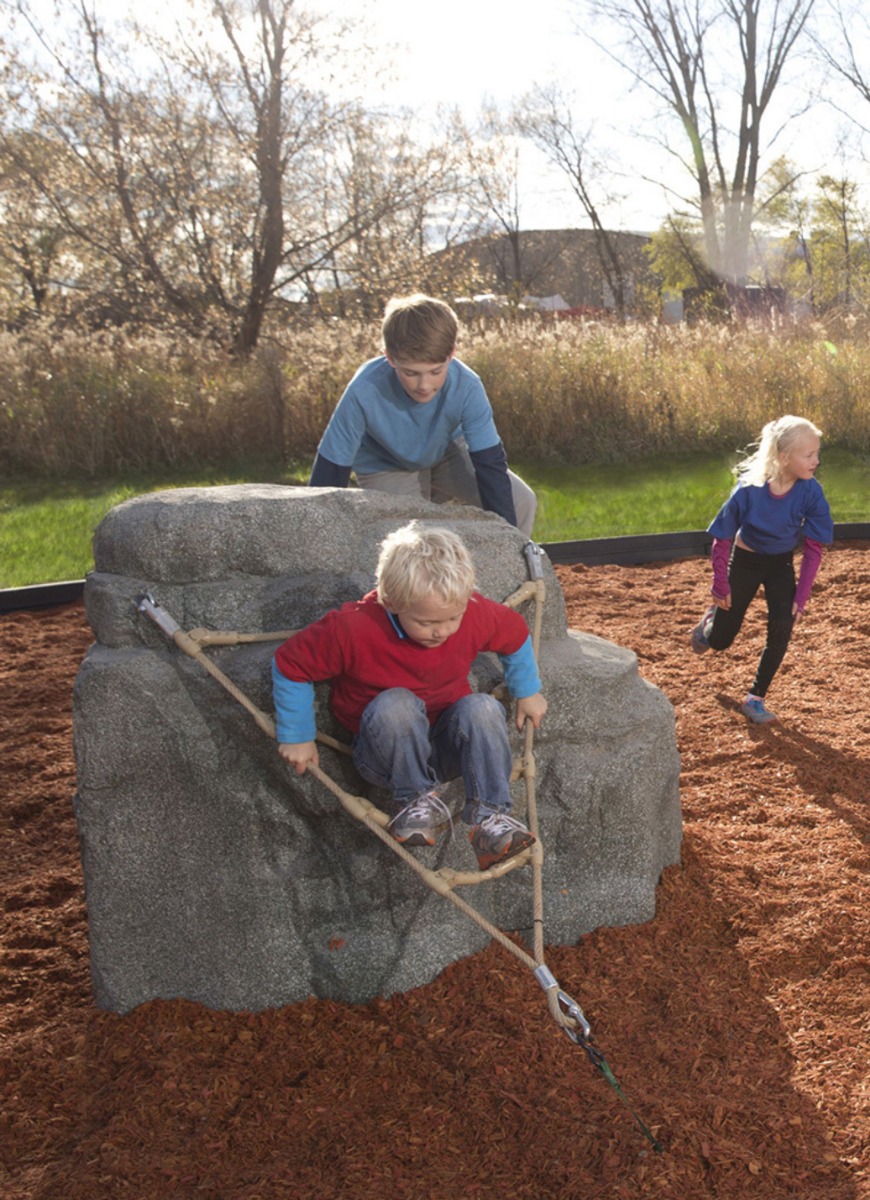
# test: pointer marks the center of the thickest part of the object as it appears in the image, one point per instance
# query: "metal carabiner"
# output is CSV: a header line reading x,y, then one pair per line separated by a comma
x,y
582,1036
573,1010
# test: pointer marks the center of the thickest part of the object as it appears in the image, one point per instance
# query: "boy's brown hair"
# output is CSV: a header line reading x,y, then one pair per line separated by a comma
x,y
419,328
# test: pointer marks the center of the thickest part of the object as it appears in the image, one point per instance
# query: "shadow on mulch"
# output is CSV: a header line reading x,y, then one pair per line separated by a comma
x,y
735,1020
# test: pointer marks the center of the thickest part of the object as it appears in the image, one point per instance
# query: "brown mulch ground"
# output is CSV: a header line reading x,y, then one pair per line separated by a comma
x,y
736,1021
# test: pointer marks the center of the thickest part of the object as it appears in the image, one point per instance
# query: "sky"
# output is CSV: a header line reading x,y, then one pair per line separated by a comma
x,y
464,51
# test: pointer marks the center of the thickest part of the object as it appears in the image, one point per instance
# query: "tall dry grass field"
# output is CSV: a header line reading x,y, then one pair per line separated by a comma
x,y
598,393
98,404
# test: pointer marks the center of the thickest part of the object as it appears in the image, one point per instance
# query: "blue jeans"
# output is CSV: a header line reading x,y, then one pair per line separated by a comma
x,y
397,749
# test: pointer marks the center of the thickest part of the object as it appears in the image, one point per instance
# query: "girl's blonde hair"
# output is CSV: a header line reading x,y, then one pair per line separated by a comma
x,y
777,437
417,561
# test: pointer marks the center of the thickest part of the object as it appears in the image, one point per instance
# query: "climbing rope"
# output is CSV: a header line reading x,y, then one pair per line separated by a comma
x,y
565,1011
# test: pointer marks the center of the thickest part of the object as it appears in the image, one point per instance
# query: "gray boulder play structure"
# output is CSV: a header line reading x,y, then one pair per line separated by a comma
x,y
214,873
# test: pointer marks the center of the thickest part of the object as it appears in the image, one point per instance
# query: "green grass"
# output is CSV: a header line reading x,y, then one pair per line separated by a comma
x,y
612,500
46,527
665,495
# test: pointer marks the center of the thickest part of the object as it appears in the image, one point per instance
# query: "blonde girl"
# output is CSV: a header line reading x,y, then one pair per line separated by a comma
x,y
775,501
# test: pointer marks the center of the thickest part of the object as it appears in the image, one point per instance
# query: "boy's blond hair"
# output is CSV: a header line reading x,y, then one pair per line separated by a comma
x,y
419,561
419,328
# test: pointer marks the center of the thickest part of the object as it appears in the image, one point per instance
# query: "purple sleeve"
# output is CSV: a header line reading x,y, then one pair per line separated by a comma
x,y
812,556
719,555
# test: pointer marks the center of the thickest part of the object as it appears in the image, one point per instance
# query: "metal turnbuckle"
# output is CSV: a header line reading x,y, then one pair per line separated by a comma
x,y
569,1007
572,1009
149,606
534,560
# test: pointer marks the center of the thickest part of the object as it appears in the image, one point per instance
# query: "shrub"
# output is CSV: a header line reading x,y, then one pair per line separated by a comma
x,y
562,392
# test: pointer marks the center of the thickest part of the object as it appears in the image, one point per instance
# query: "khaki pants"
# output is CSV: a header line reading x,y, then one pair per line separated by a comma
x,y
452,478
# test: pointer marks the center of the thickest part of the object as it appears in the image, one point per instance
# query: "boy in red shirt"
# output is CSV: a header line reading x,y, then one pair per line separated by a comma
x,y
398,661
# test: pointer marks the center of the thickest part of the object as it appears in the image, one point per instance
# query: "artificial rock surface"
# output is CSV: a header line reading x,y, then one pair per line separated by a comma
x,y
214,873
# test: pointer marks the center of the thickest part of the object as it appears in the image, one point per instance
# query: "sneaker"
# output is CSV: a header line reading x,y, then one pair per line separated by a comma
x,y
701,632
498,837
420,822
753,707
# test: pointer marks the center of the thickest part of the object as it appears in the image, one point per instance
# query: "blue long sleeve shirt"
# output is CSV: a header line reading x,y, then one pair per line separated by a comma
x,y
770,524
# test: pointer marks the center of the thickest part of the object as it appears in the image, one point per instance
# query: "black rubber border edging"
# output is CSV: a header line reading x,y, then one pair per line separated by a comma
x,y
41,595
593,552
661,547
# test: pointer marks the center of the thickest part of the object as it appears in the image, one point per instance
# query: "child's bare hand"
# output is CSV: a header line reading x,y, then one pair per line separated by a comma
x,y
300,755
722,601
796,613
532,707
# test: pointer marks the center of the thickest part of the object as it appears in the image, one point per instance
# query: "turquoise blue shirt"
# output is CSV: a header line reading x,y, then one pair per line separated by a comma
x,y
376,426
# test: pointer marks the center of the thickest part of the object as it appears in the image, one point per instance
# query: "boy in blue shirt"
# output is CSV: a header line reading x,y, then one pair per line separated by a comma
x,y
416,421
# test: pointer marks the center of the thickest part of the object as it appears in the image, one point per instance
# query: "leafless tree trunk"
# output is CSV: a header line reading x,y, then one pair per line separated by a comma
x,y
691,54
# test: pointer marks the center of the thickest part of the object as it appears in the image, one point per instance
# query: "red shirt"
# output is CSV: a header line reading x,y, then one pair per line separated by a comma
x,y
358,648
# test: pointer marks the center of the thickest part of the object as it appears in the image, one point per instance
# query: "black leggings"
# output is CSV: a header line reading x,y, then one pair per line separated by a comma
x,y
746,573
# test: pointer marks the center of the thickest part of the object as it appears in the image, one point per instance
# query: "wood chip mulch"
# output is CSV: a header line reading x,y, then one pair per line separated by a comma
x,y
737,1021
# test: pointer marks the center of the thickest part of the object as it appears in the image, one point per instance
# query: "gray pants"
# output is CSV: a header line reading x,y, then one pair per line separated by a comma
x,y
452,478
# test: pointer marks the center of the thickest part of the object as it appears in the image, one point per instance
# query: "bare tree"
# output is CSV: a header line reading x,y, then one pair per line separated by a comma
x,y
209,178
687,52
281,131
843,49
31,237
491,159
394,198
545,117
65,138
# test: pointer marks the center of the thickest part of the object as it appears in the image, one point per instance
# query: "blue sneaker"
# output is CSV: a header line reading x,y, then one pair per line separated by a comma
x,y
701,632
753,708
420,822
